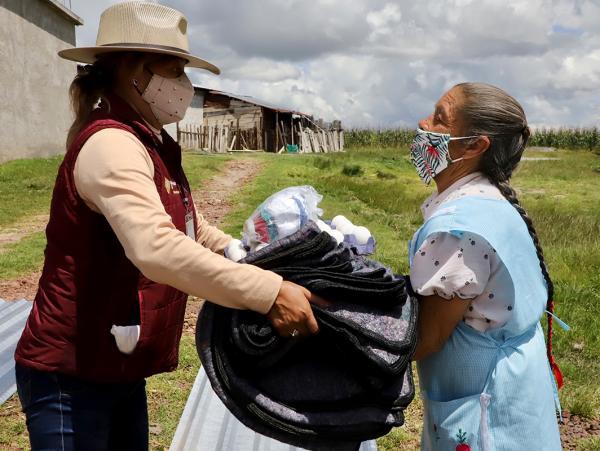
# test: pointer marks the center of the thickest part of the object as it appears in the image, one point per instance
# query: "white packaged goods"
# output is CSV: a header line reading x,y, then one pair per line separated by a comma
x,y
285,212
282,214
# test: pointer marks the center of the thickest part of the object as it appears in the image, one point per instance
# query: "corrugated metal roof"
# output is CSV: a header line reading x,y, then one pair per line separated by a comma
x,y
12,321
207,425
255,101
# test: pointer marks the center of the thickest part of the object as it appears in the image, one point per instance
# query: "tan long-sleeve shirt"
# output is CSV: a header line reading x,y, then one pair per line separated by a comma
x,y
114,176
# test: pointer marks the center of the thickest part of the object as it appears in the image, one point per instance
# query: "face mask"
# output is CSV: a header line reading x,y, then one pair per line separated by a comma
x,y
169,98
430,155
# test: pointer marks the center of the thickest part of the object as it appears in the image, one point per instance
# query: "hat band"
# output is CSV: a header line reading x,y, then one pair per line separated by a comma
x,y
149,46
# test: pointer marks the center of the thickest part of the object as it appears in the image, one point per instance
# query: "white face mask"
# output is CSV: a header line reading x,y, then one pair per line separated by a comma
x,y
169,98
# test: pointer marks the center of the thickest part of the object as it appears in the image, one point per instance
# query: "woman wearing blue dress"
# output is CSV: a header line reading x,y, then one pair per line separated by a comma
x,y
478,268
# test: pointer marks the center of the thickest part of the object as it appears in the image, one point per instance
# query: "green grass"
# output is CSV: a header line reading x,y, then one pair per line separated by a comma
x,y
26,187
589,444
13,431
23,257
168,393
200,167
562,197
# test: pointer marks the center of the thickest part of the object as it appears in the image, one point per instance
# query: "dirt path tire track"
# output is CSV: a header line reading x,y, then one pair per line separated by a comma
x,y
14,234
214,201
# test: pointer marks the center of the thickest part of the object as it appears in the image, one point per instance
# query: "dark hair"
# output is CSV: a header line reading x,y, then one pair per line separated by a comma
x,y
94,81
488,110
90,85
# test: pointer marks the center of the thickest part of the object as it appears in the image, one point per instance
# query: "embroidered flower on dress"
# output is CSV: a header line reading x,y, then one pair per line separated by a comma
x,y
462,438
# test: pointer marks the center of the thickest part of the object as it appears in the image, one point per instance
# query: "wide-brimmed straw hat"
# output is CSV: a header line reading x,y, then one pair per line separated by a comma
x,y
139,26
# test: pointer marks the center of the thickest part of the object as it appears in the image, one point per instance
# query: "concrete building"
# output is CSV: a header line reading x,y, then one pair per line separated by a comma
x,y
34,103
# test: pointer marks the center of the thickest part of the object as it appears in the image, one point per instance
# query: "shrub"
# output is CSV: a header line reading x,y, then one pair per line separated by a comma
x,y
352,170
385,175
322,163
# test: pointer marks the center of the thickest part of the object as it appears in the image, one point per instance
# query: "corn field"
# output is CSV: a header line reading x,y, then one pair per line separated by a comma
x,y
567,138
382,138
562,138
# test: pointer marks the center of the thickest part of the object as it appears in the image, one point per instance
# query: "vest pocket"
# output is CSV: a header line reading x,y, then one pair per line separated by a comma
x,y
461,424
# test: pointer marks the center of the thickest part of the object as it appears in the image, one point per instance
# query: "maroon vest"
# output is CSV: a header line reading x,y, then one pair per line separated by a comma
x,y
88,284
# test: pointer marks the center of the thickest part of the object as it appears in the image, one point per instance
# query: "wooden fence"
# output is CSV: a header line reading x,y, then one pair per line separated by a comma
x,y
315,141
224,138
218,138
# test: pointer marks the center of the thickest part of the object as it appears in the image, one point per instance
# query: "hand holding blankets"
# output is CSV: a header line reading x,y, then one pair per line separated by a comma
x,y
349,383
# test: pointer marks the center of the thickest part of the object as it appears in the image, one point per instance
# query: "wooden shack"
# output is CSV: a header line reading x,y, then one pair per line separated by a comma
x,y
235,122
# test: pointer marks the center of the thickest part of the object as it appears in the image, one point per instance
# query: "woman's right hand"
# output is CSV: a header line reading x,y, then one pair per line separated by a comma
x,y
291,314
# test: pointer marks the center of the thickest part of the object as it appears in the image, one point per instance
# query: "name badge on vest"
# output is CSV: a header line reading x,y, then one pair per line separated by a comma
x,y
190,230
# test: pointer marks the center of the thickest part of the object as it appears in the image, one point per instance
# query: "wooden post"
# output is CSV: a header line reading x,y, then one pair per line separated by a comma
x,y
276,131
283,133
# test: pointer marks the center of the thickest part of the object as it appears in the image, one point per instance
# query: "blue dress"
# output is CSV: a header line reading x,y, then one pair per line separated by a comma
x,y
491,390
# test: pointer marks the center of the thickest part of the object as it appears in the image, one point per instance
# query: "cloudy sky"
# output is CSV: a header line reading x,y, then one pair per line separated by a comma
x,y
382,63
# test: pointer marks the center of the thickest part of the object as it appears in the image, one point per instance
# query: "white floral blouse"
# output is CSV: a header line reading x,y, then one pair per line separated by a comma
x,y
467,266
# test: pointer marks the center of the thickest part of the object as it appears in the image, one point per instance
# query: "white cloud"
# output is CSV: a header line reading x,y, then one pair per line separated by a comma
x,y
265,70
386,62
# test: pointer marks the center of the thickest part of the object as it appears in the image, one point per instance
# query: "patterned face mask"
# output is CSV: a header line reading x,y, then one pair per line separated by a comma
x,y
430,154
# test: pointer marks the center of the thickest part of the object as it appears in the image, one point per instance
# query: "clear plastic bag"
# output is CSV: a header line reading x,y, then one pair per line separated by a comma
x,y
282,214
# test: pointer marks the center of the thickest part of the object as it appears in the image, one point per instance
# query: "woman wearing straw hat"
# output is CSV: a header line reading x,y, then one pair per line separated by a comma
x,y
110,306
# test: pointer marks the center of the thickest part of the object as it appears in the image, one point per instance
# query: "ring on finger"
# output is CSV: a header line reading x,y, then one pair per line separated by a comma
x,y
294,333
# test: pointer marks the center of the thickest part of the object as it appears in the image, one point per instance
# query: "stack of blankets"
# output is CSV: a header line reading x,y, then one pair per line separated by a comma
x,y
349,383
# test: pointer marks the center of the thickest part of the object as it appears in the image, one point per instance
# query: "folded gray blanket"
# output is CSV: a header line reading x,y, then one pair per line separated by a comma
x,y
349,383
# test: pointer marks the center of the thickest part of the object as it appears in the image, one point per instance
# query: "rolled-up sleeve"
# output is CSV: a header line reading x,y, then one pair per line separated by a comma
x,y
114,176
451,266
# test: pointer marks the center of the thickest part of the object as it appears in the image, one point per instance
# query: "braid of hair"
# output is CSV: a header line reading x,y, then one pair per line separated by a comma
x,y
500,178
509,193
